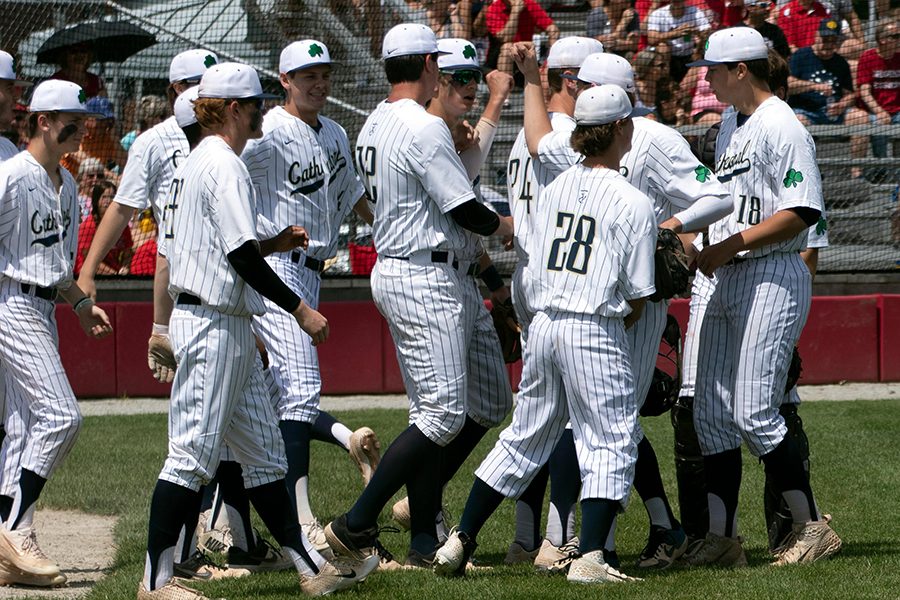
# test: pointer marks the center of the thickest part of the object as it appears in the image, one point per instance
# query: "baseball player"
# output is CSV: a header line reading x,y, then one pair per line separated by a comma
x,y
766,159
685,198
591,257
688,458
526,178
302,168
38,231
217,277
425,216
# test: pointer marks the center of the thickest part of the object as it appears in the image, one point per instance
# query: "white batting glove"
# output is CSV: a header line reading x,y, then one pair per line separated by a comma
x,y
160,358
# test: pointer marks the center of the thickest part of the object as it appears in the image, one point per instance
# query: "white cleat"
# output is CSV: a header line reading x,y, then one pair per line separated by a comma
x,y
592,568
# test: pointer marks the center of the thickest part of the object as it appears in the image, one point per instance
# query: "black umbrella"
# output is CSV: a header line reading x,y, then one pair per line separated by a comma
x,y
110,41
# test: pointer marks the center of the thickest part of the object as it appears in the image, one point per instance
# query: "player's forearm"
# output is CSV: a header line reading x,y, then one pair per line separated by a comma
x,y
109,230
363,211
537,121
253,269
637,309
73,294
811,257
702,213
162,301
475,217
781,226
473,158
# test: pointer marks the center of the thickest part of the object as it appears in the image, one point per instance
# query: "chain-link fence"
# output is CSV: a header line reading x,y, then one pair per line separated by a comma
x,y
859,163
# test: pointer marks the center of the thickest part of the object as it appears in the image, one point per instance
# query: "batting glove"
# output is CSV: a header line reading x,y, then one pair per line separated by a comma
x,y
160,358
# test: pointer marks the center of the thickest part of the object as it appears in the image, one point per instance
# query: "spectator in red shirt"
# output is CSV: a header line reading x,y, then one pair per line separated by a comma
x,y
509,21
800,19
118,259
74,65
878,80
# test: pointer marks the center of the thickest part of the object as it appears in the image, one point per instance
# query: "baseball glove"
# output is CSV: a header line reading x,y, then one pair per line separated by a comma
x,y
794,371
672,271
664,389
160,358
507,330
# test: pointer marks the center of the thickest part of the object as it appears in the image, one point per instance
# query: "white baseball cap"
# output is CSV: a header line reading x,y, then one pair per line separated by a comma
x,y
735,44
602,104
570,52
8,70
184,107
602,68
408,39
231,80
303,54
55,95
190,65
457,54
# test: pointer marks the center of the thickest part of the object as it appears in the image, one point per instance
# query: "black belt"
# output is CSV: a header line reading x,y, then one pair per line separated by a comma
x,y
439,256
310,263
39,292
187,299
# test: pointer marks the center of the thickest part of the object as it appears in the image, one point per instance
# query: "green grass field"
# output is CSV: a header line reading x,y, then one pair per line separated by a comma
x,y
856,476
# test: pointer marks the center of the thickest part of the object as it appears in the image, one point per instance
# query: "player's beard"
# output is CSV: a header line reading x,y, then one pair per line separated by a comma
x,y
256,122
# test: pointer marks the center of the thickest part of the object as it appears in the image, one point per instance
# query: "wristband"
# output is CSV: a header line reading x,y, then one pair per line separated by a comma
x,y
160,329
86,301
491,278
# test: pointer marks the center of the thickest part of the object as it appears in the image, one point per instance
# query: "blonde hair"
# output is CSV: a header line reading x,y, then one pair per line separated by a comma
x,y
210,112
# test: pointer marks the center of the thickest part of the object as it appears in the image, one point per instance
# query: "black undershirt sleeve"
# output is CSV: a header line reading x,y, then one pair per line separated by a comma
x,y
253,269
475,217
809,215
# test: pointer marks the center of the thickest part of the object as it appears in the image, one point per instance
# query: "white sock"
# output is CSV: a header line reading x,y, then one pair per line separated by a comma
x,y
610,544
304,511
342,434
656,510
300,564
569,531
164,572
799,505
525,526
185,546
718,518
555,527
229,516
26,519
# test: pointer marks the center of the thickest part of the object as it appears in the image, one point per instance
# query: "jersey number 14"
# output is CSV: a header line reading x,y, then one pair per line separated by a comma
x,y
572,250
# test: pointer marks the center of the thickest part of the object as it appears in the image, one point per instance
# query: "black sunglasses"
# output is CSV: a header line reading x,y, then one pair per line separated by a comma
x,y
464,77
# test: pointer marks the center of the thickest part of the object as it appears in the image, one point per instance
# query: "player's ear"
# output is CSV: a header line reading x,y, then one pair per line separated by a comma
x,y
285,79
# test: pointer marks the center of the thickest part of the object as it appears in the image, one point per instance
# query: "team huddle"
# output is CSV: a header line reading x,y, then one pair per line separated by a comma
x,y
249,206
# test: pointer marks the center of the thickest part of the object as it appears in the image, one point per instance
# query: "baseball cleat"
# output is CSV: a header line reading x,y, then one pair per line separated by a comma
x,y
315,533
716,550
385,558
365,450
20,553
555,559
811,542
593,568
15,577
171,591
518,554
417,560
263,558
451,558
663,548
337,576
215,540
200,568
400,515
358,545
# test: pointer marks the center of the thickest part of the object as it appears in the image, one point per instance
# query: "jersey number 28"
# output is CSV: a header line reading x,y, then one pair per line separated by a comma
x,y
572,250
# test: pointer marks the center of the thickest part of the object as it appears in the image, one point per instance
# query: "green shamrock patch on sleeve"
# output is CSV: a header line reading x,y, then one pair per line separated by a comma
x,y
792,178
702,173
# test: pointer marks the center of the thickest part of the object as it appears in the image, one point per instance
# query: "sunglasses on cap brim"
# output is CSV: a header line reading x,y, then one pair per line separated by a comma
x,y
464,76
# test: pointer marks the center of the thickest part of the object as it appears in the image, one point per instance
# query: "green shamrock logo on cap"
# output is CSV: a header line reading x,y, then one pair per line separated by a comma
x,y
792,178
702,174
706,47
469,51
82,97
315,50
209,61
821,226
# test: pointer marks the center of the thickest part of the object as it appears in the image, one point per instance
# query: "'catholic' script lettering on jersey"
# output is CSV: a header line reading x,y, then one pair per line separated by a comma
x,y
313,172
47,223
730,165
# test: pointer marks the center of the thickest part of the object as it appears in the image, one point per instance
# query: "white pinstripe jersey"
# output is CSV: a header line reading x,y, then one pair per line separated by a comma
x,y
594,241
38,225
526,178
409,166
768,164
152,161
211,211
7,149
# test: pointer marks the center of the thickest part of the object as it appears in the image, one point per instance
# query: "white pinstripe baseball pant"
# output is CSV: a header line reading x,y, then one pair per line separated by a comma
x,y
578,366
30,355
751,325
219,396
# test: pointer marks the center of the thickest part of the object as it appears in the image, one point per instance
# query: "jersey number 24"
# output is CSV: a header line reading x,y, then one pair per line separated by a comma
x,y
572,250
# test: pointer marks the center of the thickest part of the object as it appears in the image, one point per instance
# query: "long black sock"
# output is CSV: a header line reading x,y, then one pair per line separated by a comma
x,y
170,508
274,506
723,480
692,501
296,436
784,466
483,501
528,511
648,482
597,516
456,452
424,491
233,494
6,503
565,483
30,487
406,457
321,429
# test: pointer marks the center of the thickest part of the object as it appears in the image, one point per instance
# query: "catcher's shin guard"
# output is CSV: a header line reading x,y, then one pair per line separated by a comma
x,y
689,471
778,515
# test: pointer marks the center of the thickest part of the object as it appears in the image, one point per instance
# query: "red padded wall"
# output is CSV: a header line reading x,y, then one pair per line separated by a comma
x,y
135,320
889,337
351,359
91,364
840,341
